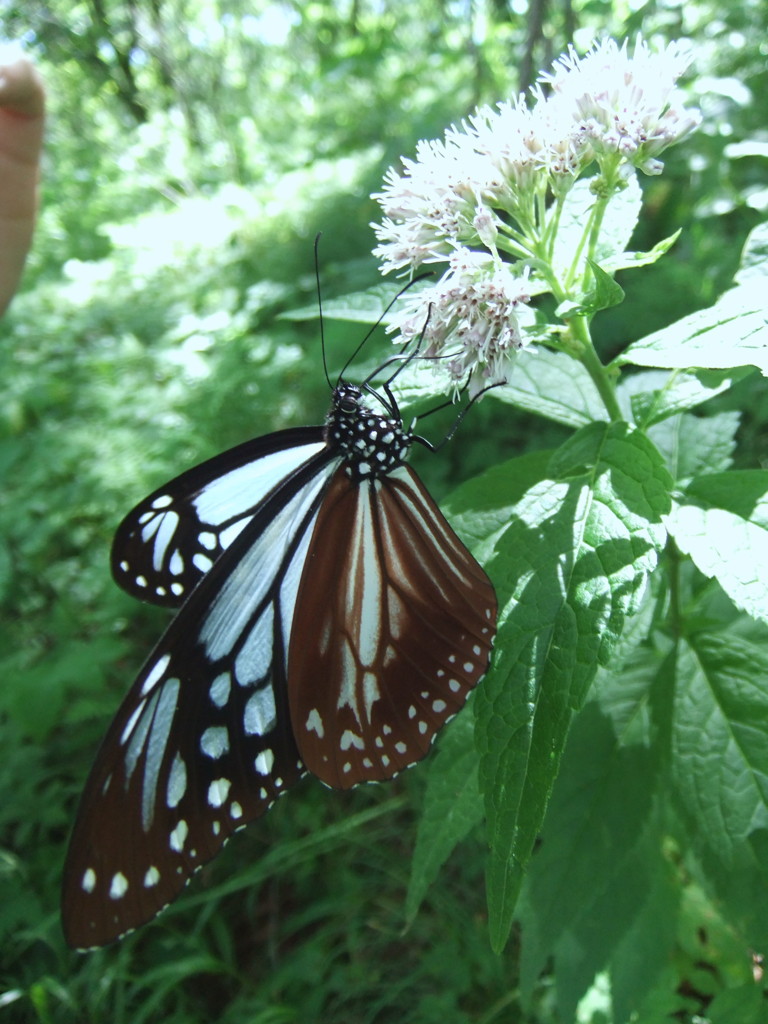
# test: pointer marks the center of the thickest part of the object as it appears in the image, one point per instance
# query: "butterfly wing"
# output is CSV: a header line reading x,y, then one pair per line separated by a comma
x,y
169,541
393,627
202,744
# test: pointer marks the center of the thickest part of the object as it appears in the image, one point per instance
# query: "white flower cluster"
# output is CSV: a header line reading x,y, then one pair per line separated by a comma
x,y
473,304
625,105
479,198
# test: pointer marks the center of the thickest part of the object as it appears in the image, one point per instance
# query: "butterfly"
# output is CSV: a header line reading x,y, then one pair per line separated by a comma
x,y
329,620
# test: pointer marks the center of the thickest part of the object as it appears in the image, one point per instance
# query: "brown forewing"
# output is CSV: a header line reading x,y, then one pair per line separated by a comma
x,y
392,628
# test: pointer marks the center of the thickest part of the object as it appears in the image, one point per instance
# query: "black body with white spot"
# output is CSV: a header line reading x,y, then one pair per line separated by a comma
x,y
371,445
328,619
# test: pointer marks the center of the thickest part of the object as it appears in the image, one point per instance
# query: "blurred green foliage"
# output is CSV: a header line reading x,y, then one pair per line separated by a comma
x,y
194,150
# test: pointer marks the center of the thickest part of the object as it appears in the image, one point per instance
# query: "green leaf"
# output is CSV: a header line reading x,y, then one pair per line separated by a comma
x,y
745,1004
605,294
452,806
628,260
622,687
719,740
480,506
741,491
754,257
554,385
569,568
733,332
694,444
639,959
725,532
587,859
364,307
655,395
585,949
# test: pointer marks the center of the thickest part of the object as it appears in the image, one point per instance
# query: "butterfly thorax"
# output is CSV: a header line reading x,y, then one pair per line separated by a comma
x,y
371,444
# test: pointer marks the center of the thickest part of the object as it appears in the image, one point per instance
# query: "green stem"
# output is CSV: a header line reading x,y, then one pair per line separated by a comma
x,y
594,367
598,216
675,614
610,184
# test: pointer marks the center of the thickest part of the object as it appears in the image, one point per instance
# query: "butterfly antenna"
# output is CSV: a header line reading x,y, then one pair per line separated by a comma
x,y
401,359
320,307
390,304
